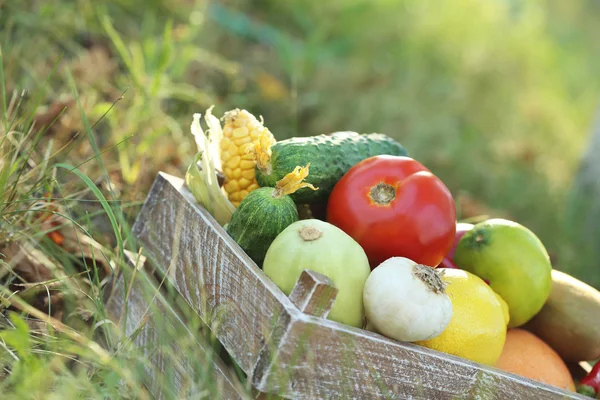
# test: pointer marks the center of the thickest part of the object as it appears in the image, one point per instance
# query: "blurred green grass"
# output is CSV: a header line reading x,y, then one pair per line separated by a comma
x,y
494,96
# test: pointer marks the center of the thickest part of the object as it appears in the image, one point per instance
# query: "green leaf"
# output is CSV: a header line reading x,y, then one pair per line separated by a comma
x,y
18,338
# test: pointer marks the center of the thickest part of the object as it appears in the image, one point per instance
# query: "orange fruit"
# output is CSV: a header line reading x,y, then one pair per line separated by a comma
x,y
527,355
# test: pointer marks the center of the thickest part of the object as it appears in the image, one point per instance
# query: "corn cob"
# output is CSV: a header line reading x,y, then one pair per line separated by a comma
x,y
243,137
201,177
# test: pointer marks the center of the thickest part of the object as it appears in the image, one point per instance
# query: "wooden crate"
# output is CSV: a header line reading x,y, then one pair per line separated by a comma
x,y
159,328
285,345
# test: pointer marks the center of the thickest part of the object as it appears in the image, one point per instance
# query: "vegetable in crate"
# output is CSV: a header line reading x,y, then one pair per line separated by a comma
x,y
201,177
265,212
331,156
590,384
569,321
406,301
318,246
242,135
393,206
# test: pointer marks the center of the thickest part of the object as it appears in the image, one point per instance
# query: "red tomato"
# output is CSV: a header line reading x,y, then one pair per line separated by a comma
x,y
394,207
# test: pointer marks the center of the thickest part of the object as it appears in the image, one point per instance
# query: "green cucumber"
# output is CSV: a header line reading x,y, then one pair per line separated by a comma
x,y
330,157
265,213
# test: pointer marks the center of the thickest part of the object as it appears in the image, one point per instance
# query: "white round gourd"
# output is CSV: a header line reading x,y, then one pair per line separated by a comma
x,y
319,246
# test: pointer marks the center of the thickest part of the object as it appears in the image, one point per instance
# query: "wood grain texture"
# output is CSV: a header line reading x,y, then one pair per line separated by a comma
x,y
314,294
284,350
323,359
166,340
241,305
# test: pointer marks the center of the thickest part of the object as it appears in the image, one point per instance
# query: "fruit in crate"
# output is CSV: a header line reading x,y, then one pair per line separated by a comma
x,y
329,155
505,312
477,330
570,319
321,247
265,212
527,355
513,260
393,206
406,301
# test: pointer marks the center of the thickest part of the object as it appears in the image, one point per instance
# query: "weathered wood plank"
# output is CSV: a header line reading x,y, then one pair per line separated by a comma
x,y
241,305
319,358
314,294
173,351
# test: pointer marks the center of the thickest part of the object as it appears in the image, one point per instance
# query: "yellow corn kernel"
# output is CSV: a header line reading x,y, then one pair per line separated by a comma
x,y
243,149
226,141
247,165
239,142
232,149
254,135
231,187
244,183
248,174
252,187
237,173
240,132
234,161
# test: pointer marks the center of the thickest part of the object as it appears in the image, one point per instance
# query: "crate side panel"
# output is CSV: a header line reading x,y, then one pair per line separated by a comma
x,y
318,358
243,308
164,338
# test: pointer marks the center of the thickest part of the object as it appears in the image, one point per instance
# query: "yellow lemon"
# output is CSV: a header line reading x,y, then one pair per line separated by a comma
x,y
477,330
505,310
